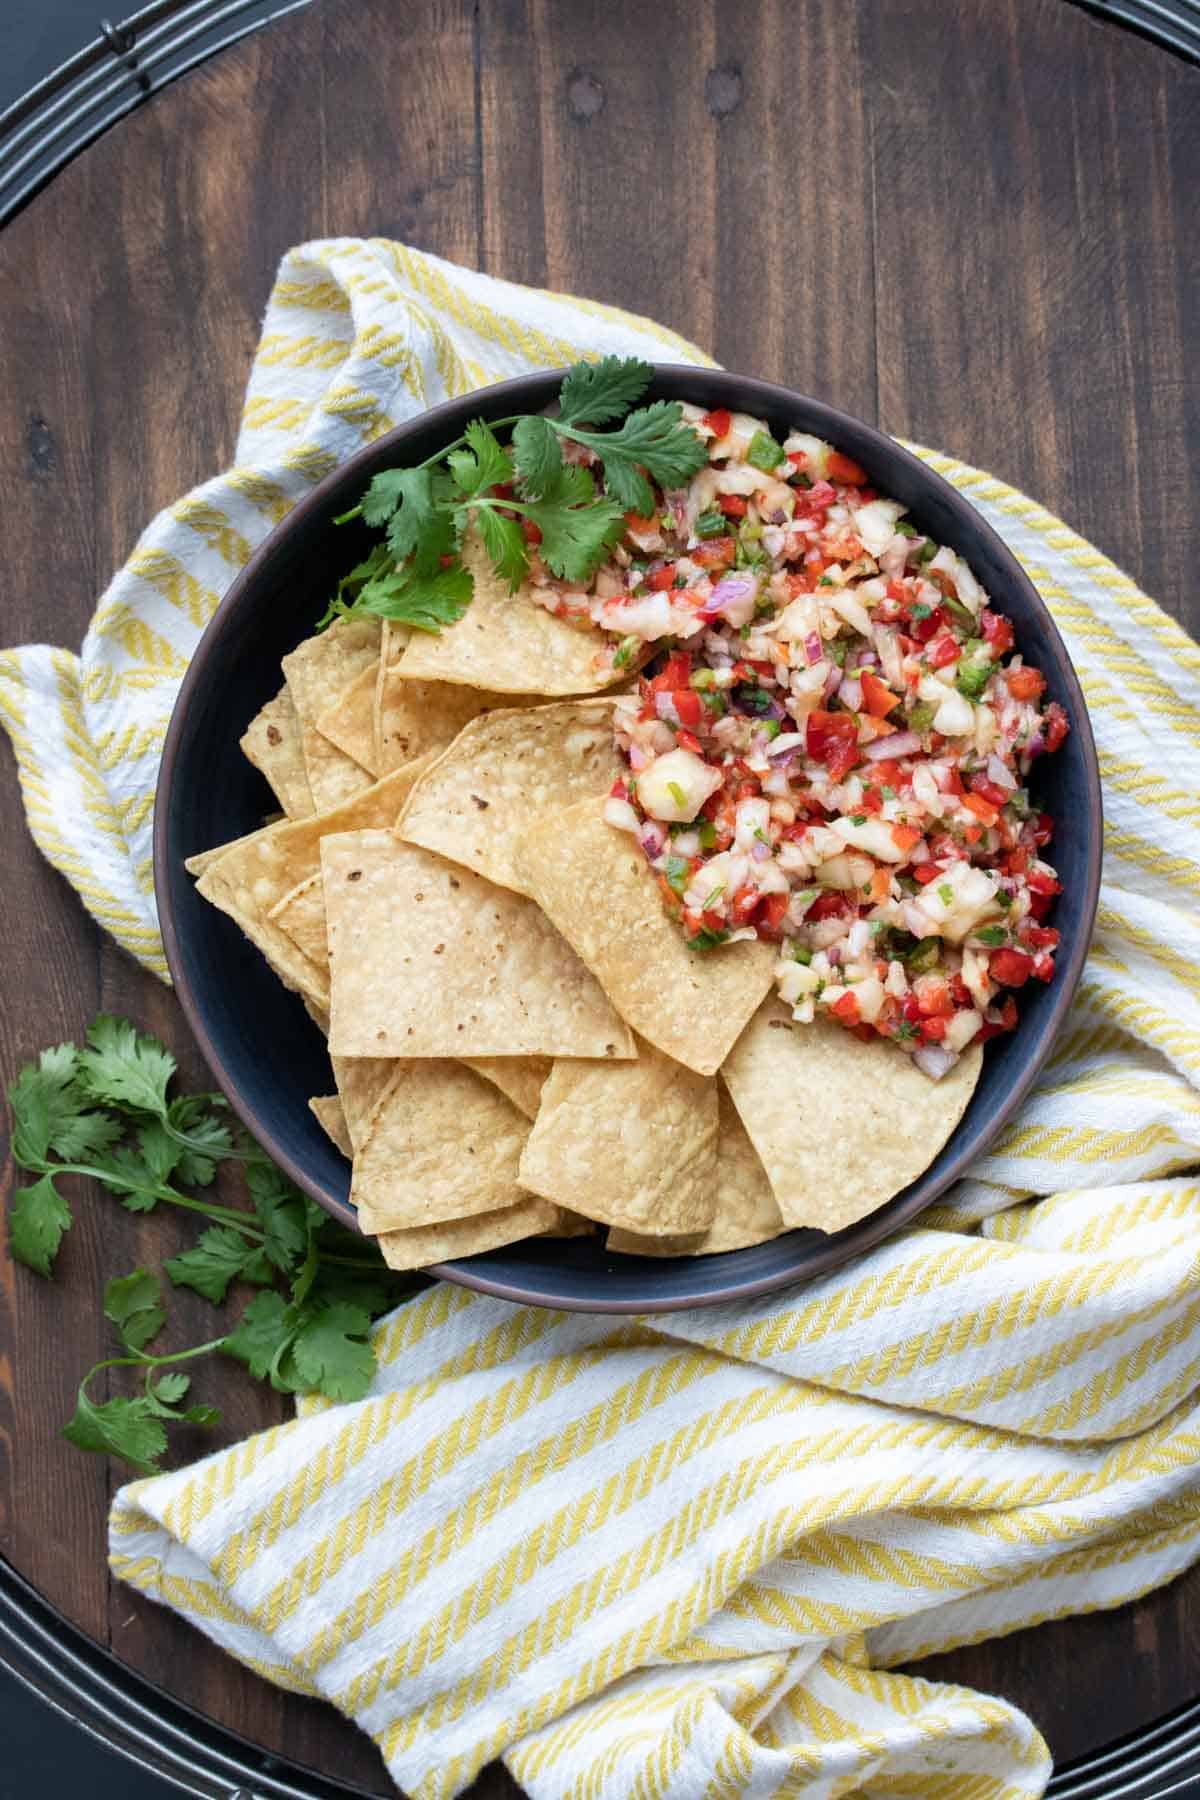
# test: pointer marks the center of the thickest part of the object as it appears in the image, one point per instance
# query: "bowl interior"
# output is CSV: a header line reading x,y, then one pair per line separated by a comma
x,y
263,1048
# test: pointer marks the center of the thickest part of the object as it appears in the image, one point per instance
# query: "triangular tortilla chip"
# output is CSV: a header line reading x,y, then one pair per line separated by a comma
x,y
426,1244
361,1081
248,877
272,743
327,1110
841,1125
427,959
301,913
746,1212
503,771
631,1144
519,1078
596,886
350,721
511,644
439,1144
317,672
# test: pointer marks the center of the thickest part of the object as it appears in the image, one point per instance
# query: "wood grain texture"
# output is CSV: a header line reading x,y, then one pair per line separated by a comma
x,y
977,224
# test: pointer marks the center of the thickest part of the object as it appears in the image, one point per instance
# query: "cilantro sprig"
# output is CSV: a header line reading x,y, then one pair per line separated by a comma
x,y
104,1110
511,494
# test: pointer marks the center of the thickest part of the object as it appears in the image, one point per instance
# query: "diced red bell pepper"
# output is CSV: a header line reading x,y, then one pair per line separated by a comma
x,y
934,1000
942,651
716,553
880,888
1025,684
660,579
1043,966
991,791
688,706
774,911
686,741
531,531
832,738
925,629
1011,968
927,872
675,673
932,1030
826,906
878,698
1039,937
1055,725
719,422
846,1009
984,812
961,994
732,505
744,905
997,631
905,836
845,469
872,801
1042,882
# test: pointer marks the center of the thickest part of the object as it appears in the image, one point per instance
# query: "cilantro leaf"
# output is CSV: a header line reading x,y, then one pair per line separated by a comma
x,y
483,464
420,528
45,1099
425,601
170,1388
135,1185
331,1352
219,1257
37,1219
124,1068
388,491
124,1428
134,1305
264,1332
593,393
537,453
505,544
575,539
209,1138
655,438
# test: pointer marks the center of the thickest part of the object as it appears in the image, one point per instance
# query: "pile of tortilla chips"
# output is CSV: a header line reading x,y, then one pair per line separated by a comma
x,y
522,1043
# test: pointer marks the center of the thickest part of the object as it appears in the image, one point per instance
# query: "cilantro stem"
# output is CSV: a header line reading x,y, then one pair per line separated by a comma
x,y
112,1178
355,512
154,1362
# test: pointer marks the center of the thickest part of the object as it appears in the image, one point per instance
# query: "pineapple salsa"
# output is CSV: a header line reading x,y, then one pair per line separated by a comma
x,y
830,744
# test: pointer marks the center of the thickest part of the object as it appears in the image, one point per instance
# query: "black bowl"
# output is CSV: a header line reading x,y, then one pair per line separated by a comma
x,y
260,1043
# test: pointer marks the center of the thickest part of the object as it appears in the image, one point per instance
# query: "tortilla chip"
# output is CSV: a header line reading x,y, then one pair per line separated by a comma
x,y
503,771
631,1144
416,717
594,883
519,1078
841,1125
509,643
570,1225
440,1143
361,1081
271,742
230,884
249,877
327,1110
350,721
429,960
423,1245
204,859
301,913
746,1212
318,671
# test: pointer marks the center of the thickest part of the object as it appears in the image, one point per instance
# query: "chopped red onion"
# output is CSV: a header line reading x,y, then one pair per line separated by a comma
x,y
900,743
999,773
831,682
732,591
653,838
759,851
787,740
812,648
665,709
850,693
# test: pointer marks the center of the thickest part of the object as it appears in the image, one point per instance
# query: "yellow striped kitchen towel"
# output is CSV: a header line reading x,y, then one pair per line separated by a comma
x,y
684,1558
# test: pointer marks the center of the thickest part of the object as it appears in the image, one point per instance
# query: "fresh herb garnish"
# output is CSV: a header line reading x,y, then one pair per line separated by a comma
x,y
417,577
105,1111
993,934
707,940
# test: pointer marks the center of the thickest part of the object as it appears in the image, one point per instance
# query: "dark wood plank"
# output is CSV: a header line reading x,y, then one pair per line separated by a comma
x,y
1037,265
899,208
632,156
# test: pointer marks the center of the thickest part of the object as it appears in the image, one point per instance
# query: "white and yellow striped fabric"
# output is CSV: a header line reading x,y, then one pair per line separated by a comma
x,y
681,1558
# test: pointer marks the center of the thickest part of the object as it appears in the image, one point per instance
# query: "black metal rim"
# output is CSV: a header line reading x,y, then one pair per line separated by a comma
x,y
39,136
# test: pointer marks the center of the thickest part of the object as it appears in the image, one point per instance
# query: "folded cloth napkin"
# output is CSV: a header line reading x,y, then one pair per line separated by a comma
x,y
681,1557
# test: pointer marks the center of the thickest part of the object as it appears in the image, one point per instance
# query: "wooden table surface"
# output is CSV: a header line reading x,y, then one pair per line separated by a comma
x,y
975,223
